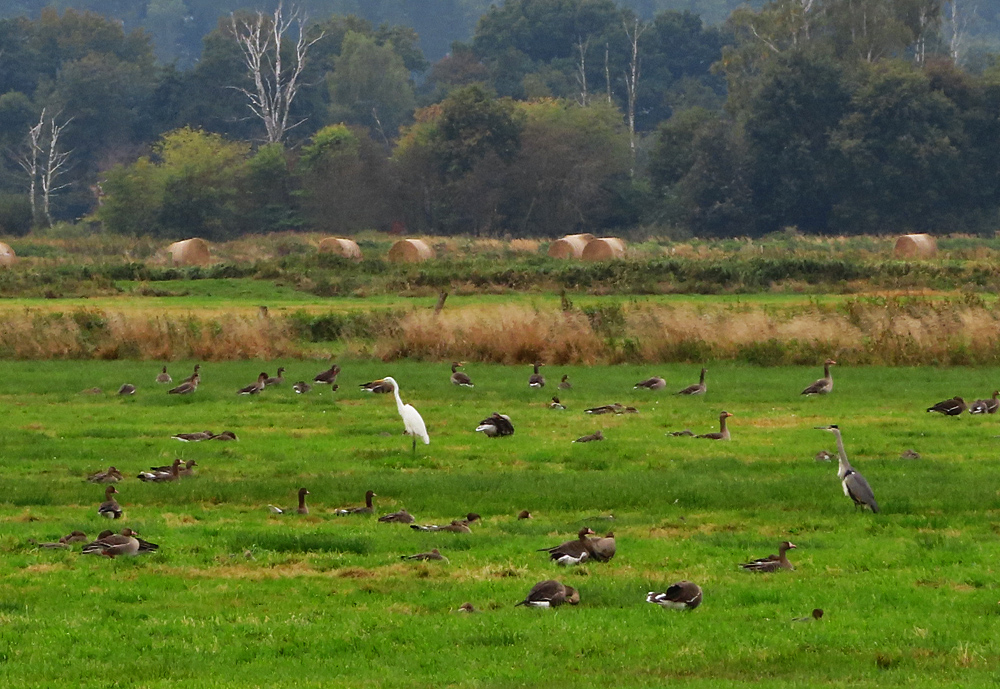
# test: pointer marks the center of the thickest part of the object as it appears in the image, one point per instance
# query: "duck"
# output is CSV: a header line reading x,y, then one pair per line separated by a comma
x,y
574,552
111,546
195,437
329,376
225,435
277,379
110,509
536,380
255,388
400,517
824,385
158,475
564,384
126,389
164,377
456,526
698,388
854,484
459,378
654,383
434,554
524,514
194,374
367,509
301,387
556,404
112,475
590,438
378,387
603,548
987,406
952,407
187,387
550,594
771,563
496,425
684,595
723,433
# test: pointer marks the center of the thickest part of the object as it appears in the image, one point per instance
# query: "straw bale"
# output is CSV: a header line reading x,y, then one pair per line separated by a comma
x,y
410,251
570,246
348,248
7,255
915,246
603,249
190,252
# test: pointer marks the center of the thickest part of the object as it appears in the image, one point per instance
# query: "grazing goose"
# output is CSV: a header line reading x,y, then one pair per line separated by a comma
x,y
952,407
164,377
556,404
684,595
225,435
194,374
459,378
302,509
400,517
367,509
435,554
158,476
574,552
564,384
855,485
277,379
112,475
496,425
378,387
536,380
193,437
825,384
329,376
771,563
590,438
698,388
615,408
723,433
815,616
187,387
456,526
909,454
988,406
126,389
654,383
110,508
550,594
603,548
255,388
413,423
301,387
524,514
124,543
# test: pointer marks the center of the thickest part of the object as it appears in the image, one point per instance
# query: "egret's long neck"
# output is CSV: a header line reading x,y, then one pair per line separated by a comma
x,y
845,466
399,402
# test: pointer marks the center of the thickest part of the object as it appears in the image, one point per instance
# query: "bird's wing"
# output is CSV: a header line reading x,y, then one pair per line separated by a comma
x,y
415,423
859,490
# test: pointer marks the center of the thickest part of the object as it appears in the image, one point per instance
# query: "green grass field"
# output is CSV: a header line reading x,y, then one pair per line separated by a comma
x,y
910,595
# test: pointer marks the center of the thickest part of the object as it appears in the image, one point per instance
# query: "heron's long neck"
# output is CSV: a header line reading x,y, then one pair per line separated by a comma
x,y
845,465
399,402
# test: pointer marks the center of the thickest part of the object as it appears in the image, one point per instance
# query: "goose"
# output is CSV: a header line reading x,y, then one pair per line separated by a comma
x,y
467,607
698,388
815,616
188,469
367,509
193,437
64,542
496,425
112,475
329,376
550,594
723,433
556,404
855,485
187,387
537,380
654,383
301,387
164,377
144,546
126,389
686,433
456,526
110,508
574,552
564,384
124,543
377,387
825,384
194,374
400,517
909,454
225,435
823,456
278,379
988,406
524,514
459,378
413,423
615,408
158,476
435,554
255,388
74,537
771,563
684,595
470,517
952,407
302,509
590,438
603,548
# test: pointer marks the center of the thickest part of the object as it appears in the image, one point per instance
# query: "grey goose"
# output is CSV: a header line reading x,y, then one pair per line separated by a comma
x,y
723,433
496,425
367,509
698,388
195,437
564,384
987,406
112,475
126,389
536,379
952,407
824,385
301,387
456,526
590,438
603,549
654,383
302,508
254,388
329,376
187,387
684,595
574,552
434,554
110,509
550,594
378,387
400,517
771,563
164,377
159,476
458,377
277,379
556,404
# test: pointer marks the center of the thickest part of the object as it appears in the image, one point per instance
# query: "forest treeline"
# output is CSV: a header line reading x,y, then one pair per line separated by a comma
x,y
831,116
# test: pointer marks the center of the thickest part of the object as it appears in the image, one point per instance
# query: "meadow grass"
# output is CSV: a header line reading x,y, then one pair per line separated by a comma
x,y
239,597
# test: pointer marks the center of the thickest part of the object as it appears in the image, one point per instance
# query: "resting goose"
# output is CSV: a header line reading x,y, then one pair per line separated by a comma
x,y
112,475
564,384
574,552
187,387
615,408
302,509
684,595
909,454
400,517
64,542
603,548
194,374
435,554
378,387
164,377
124,543
771,563
825,384
988,406
158,475
74,537
456,526
277,379
459,378
823,456
952,407
723,433
686,433
590,438
855,485
654,383
195,437
225,435
467,607
556,404
255,388
550,594
524,514
126,389
698,388
815,616
367,509
110,508
536,380
301,387
496,425
329,376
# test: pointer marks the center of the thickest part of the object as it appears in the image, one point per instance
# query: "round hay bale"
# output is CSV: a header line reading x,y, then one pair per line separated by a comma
x,y
190,252
348,248
915,246
570,246
604,249
7,255
410,251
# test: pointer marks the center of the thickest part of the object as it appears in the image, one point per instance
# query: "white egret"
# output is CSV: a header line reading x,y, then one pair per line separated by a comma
x,y
413,423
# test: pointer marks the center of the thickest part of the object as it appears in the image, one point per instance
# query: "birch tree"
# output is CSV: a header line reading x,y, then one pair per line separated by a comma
x,y
45,163
29,162
632,78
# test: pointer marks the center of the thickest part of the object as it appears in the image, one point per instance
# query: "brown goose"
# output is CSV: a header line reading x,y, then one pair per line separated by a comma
x,y
564,384
654,383
825,384
550,594
952,407
329,376
157,475
536,380
603,548
698,388
378,387
187,470
194,374
164,377
126,389
524,514
225,435
459,378
193,437
124,543
400,517
112,475
723,433
277,379
590,438
301,387
556,404
684,595
771,563
456,526
367,509
254,388
435,554
187,387
302,508
110,508
496,425
574,552
988,406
